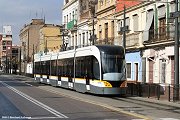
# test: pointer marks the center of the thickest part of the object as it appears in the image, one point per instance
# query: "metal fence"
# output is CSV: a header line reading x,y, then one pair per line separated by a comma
x,y
157,91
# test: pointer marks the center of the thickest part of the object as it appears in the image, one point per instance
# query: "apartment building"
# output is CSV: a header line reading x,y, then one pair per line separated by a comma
x,y
15,58
134,15
149,42
29,36
69,20
86,22
50,38
5,47
106,21
158,39
149,36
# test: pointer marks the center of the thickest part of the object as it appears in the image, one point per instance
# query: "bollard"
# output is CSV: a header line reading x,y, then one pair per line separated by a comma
x,y
169,92
148,90
158,92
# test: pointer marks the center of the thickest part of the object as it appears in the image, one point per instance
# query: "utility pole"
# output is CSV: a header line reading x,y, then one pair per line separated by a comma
x,y
46,45
93,30
33,62
6,63
124,31
20,61
124,28
176,54
92,8
28,48
175,15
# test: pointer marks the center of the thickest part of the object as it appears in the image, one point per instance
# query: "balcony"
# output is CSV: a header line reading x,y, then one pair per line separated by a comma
x,y
71,24
108,41
160,35
132,40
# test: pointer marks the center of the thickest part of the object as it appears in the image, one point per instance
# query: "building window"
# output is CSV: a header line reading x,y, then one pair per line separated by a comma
x,y
112,28
128,70
9,43
73,15
4,43
128,22
76,14
4,47
75,40
106,30
119,26
67,19
87,38
70,17
162,28
79,39
100,32
135,22
83,35
72,40
163,70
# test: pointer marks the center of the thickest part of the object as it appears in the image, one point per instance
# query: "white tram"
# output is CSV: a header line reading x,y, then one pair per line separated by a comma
x,y
98,69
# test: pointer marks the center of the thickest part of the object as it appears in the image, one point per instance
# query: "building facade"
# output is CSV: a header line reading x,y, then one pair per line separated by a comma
x,y
15,59
29,36
149,42
6,47
50,38
106,10
69,20
149,36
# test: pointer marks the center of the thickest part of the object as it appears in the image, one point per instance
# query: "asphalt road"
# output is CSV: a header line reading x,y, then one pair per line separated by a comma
x,y
21,99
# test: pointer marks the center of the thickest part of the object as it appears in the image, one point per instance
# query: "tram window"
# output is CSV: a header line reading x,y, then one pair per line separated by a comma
x,y
42,68
78,66
47,67
38,68
53,67
112,63
83,66
61,67
88,66
70,67
96,72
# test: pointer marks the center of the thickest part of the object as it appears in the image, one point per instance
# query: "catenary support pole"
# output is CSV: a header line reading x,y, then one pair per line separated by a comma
x,y
176,54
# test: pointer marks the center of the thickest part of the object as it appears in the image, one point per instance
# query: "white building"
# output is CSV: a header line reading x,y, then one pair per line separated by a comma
x,y
69,20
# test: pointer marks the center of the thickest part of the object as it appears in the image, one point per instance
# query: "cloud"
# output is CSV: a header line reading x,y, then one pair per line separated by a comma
x,y
20,12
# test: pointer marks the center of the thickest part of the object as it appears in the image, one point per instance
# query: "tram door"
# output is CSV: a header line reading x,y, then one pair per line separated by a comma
x,y
88,71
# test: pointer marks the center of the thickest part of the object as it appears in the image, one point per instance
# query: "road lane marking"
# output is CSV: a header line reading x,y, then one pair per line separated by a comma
x,y
51,110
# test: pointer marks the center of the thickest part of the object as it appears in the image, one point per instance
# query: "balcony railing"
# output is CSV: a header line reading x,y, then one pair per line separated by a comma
x,y
162,34
108,41
132,40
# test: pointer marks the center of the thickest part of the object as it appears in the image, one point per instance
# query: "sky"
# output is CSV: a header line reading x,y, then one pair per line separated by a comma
x,y
19,12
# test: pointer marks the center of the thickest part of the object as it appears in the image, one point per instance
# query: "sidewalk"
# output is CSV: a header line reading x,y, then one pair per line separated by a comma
x,y
155,101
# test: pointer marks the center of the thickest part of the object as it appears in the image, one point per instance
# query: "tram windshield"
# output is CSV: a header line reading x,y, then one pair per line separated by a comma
x,y
112,63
